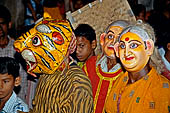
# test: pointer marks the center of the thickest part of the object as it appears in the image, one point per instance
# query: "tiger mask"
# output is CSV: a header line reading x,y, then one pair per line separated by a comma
x,y
46,45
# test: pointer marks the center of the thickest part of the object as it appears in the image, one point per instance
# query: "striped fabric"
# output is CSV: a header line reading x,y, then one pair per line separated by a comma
x,y
14,104
67,92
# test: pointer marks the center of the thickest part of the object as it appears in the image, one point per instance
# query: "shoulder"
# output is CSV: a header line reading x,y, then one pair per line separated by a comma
x,y
91,59
78,75
11,40
77,72
15,104
75,69
163,79
160,78
91,62
160,87
20,105
161,83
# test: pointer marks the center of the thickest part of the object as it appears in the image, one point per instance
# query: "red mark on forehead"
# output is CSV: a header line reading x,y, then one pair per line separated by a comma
x,y
127,39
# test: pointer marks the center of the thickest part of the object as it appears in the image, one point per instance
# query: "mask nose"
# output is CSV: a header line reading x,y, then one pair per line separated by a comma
x,y
126,51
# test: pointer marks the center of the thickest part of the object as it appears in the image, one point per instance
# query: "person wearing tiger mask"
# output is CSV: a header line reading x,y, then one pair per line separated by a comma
x,y
62,87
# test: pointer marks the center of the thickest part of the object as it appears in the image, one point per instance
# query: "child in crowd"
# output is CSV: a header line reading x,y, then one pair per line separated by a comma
x,y
139,11
86,43
9,78
7,49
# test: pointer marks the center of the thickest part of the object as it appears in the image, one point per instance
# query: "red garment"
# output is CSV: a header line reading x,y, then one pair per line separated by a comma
x,y
101,82
166,73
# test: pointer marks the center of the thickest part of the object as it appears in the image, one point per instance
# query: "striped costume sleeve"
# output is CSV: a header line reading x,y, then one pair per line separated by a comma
x,y
70,92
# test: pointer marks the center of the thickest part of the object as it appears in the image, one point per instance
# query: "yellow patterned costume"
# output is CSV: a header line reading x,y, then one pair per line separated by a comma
x,y
148,95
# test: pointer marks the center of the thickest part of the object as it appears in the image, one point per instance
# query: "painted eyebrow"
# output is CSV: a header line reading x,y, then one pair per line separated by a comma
x,y
110,31
135,41
122,42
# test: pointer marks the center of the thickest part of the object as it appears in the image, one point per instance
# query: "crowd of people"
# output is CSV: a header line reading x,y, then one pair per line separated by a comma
x,y
53,68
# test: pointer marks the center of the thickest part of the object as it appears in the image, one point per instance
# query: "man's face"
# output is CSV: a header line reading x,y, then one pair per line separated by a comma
x,y
3,28
7,83
109,41
132,52
84,49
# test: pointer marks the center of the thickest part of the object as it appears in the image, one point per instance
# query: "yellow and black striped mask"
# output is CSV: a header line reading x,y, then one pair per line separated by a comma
x,y
45,46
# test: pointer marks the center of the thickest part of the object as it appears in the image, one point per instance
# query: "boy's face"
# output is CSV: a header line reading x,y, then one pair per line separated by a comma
x,y
141,16
132,52
84,48
7,84
3,28
109,41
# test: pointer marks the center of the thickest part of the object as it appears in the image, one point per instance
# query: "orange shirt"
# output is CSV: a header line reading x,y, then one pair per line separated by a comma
x,y
151,94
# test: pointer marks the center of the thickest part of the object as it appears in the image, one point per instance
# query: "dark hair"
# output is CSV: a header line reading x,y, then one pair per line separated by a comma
x,y
5,14
87,31
163,38
51,3
138,8
10,66
161,27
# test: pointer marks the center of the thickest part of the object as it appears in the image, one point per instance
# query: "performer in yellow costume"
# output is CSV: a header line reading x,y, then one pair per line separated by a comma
x,y
140,89
63,87
104,69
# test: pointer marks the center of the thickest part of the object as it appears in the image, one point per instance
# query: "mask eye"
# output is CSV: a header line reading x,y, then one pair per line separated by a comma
x,y
122,45
110,36
133,45
36,41
57,38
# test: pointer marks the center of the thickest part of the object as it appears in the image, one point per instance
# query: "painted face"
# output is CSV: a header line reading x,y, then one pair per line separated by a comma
x,y
45,46
109,41
7,84
84,49
133,52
